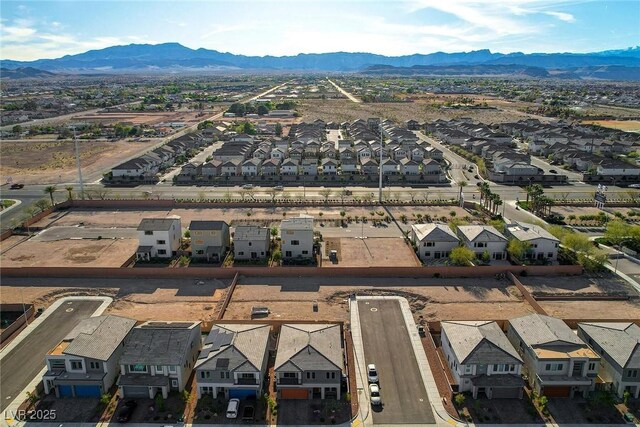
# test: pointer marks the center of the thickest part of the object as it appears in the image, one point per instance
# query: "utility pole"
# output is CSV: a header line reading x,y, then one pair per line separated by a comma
x,y
75,141
380,166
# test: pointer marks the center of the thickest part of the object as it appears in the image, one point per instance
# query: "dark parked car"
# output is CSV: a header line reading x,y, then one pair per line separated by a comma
x,y
16,186
476,176
127,410
248,413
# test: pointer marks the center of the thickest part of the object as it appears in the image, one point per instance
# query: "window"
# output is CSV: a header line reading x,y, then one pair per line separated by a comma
x,y
311,375
200,252
172,369
57,363
148,233
160,369
430,244
205,374
249,243
174,383
305,252
633,373
162,252
138,368
592,366
161,242
504,368
206,391
553,367
241,253
247,376
289,375
427,253
468,369
76,365
94,365
550,255
295,242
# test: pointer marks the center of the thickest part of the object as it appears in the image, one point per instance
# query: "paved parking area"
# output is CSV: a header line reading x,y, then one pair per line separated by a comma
x,y
387,344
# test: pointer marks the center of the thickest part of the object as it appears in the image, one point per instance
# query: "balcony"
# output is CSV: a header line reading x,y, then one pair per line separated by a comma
x,y
246,381
288,381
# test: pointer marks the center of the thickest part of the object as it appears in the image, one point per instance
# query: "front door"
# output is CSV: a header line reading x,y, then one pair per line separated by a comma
x,y
317,393
254,255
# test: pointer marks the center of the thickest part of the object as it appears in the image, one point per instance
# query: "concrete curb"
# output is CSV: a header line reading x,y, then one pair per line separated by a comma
x,y
15,404
361,368
15,205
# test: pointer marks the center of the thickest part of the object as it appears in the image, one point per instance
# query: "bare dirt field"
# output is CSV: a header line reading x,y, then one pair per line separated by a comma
x,y
625,125
371,252
576,210
139,118
340,110
466,299
54,161
613,310
605,285
67,253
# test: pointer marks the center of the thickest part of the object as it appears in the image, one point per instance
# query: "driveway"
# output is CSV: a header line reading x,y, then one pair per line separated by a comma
x,y
21,364
387,344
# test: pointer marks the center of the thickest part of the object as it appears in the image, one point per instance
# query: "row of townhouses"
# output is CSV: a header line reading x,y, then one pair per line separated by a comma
x,y
211,240
155,358
436,241
554,360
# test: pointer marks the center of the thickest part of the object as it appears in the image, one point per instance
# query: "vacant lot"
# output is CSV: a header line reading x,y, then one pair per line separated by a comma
x,y
606,284
371,252
67,253
610,310
54,161
625,125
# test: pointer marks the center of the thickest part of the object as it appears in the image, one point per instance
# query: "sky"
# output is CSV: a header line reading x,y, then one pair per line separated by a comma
x,y
32,30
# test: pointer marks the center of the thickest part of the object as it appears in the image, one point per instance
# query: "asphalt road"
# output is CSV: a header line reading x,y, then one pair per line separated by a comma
x,y
387,344
26,360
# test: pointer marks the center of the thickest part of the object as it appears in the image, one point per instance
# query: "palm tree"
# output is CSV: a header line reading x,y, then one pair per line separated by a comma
x,y
69,189
484,191
461,184
50,190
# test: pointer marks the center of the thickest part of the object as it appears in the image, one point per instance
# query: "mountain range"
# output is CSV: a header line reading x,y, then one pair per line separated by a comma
x,y
174,56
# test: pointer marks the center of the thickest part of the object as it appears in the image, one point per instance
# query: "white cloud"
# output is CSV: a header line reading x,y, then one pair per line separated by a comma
x,y
566,17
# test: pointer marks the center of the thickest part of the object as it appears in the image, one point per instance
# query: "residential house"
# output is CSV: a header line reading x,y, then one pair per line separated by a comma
x,y
158,238
483,238
297,237
278,153
481,359
270,167
618,345
329,166
431,167
251,242
309,361
543,246
158,357
434,241
211,169
348,166
85,362
557,362
289,167
233,361
230,167
251,167
409,167
209,240
369,166
389,167
309,167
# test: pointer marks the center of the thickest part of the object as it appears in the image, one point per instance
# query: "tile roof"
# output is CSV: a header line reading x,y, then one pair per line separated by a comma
x,y
98,337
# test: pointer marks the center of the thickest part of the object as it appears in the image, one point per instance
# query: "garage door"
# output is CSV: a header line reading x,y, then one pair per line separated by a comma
x,y
506,392
240,393
557,391
88,391
65,390
132,391
294,393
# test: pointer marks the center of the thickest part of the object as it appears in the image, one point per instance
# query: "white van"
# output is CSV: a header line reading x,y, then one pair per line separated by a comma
x,y
232,408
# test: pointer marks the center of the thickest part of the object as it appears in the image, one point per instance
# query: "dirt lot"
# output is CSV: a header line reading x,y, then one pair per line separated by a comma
x,y
132,218
625,125
341,110
479,299
603,285
371,252
54,161
622,310
65,253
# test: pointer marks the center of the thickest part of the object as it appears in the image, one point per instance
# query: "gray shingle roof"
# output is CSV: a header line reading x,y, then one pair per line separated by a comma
x,y
162,344
479,342
251,233
488,232
539,330
207,225
524,232
621,341
310,347
247,343
156,224
435,232
98,337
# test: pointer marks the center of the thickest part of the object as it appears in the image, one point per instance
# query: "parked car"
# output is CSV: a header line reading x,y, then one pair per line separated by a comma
x,y
248,413
247,186
232,408
553,171
634,186
16,186
374,393
127,410
476,176
372,373
278,188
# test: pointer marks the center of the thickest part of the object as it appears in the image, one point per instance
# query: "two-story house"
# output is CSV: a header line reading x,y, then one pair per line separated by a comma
x,y
251,242
309,361
557,362
209,240
158,238
542,244
434,241
85,362
481,358
618,345
158,357
233,361
481,238
297,237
